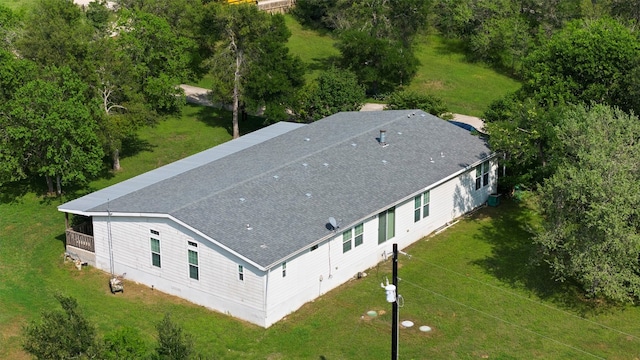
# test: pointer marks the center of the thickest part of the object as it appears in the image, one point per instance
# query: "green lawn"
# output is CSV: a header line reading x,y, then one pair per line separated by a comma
x,y
473,284
466,87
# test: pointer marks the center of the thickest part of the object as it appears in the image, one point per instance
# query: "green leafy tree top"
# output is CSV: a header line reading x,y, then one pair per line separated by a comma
x,y
587,61
65,334
591,204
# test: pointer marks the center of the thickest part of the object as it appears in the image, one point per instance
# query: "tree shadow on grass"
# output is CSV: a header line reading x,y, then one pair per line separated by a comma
x,y
13,192
221,118
133,145
513,259
323,64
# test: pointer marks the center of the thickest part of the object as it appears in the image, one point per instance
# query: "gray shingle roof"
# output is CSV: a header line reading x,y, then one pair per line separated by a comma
x,y
288,186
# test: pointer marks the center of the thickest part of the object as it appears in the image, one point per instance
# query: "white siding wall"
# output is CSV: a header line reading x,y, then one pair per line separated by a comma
x,y
313,273
218,287
308,275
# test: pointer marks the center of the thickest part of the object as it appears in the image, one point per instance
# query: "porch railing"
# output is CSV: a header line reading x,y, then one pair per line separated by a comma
x,y
80,240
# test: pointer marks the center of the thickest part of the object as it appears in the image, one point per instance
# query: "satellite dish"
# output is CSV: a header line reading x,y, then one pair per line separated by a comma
x,y
333,222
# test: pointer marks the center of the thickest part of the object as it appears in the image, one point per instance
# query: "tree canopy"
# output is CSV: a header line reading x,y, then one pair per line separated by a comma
x,y
48,131
597,60
251,65
60,335
333,91
591,204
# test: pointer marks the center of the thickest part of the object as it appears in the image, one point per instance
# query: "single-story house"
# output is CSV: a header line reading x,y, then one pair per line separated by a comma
x,y
258,226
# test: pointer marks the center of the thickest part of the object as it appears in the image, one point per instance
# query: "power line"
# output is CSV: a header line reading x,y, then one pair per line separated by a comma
x,y
528,299
503,320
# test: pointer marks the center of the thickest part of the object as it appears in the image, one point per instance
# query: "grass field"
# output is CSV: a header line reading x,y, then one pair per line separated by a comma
x,y
467,88
473,284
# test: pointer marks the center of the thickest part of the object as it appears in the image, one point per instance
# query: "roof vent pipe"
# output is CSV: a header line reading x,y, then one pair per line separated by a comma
x,y
383,137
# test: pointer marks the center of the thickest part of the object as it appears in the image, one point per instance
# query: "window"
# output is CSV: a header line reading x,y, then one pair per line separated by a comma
x,y
359,236
284,269
155,252
193,265
355,234
346,241
314,247
240,273
482,175
386,225
485,173
421,206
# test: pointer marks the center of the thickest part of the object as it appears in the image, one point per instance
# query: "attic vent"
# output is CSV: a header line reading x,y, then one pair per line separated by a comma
x,y
242,199
248,226
307,139
384,161
305,164
276,177
354,144
431,160
325,164
308,195
383,138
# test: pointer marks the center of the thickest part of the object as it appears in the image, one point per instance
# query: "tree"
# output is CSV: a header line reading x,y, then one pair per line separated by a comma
x,y
55,33
586,61
173,344
274,79
591,205
9,25
124,343
251,65
160,59
399,100
47,130
380,64
61,335
334,90
524,132
502,42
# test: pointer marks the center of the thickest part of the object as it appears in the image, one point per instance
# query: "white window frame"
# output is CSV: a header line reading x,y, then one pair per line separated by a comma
x,y
192,266
482,175
421,206
386,227
155,254
347,237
